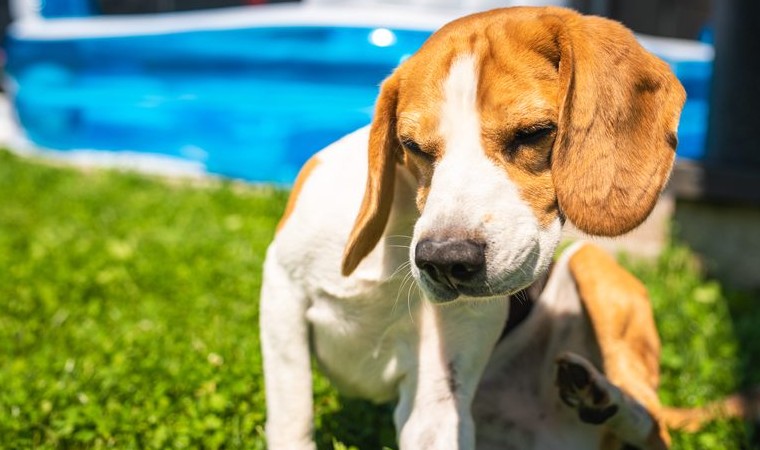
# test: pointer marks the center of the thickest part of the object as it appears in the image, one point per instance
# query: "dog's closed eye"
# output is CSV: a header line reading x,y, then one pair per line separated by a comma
x,y
414,148
533,134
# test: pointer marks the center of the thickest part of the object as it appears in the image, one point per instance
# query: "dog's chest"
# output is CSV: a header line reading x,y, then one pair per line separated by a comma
x,y
366,343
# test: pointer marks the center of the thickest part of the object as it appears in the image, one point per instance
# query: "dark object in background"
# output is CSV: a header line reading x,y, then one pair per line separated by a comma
x,y
108,7
730,172
5,19
732,135
669,18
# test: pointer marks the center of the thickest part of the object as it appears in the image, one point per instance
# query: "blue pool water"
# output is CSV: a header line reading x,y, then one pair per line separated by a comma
x,y
249,103
692,129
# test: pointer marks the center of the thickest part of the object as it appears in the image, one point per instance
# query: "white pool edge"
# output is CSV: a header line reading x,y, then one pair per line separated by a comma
x,y
230,18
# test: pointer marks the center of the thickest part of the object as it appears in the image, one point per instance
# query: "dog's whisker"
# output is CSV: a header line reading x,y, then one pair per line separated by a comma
x,y
406,279
405,265
522,297
399,236
488,286
409,300
519,298
406,276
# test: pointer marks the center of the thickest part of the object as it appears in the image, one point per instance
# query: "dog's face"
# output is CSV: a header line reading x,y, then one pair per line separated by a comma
x,y
512,121
481,152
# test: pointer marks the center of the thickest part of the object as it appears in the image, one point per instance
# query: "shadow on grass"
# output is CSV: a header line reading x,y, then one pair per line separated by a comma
x,y
744,310
357,424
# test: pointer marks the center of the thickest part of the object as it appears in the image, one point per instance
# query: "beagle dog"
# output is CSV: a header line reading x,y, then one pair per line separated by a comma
x,y
413,257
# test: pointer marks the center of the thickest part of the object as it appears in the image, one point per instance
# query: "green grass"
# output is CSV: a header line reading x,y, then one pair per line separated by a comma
x,y
711,344
128,319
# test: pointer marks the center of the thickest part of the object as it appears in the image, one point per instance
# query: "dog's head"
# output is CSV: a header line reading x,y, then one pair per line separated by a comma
x,y
512,121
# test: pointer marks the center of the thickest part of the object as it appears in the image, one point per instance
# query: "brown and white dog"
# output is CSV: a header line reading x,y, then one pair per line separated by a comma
x,y
408,245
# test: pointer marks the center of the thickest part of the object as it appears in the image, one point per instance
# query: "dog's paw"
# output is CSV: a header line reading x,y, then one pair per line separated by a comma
x,y
585,389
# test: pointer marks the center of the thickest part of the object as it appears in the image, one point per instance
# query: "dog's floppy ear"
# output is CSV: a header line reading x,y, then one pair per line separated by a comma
x,y
616,136
378,195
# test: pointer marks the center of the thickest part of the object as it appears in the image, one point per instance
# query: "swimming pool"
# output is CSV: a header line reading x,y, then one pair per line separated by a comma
x,y
247,93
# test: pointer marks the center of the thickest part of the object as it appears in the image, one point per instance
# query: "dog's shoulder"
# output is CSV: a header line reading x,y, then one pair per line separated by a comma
x,y
323,200
317,220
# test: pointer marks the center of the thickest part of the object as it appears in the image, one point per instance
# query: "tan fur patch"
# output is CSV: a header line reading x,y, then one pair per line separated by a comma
x,y
518,88
303,175
620,110
419,102
381,175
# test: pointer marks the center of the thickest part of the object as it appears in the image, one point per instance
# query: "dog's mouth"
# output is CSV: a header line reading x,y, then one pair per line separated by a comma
x,y
447,290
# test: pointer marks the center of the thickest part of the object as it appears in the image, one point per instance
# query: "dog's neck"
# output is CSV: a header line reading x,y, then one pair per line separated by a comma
x,y
521,303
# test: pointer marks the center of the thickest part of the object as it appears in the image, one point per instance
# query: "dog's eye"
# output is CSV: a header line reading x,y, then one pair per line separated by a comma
x,y
414,147
533,134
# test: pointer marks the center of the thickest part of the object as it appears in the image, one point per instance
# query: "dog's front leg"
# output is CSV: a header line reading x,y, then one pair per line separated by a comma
x,y
455,342
287,363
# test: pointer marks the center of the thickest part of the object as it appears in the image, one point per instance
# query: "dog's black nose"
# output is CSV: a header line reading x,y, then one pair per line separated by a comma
x,y
450,261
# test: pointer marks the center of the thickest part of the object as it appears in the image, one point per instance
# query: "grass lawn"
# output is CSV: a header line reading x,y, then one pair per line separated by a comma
x,y
129,316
